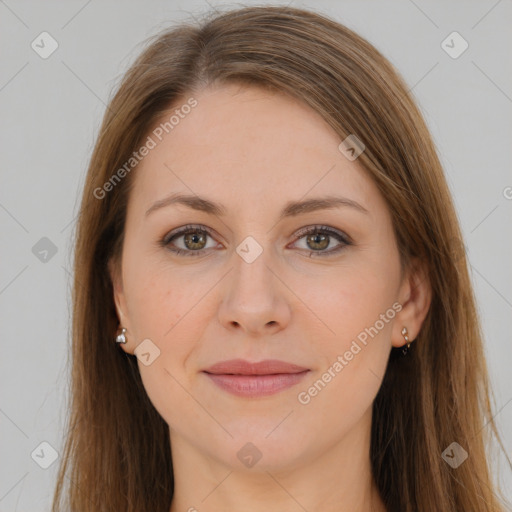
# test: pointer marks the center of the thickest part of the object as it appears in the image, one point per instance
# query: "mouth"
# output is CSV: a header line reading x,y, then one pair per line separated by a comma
x,y
243,378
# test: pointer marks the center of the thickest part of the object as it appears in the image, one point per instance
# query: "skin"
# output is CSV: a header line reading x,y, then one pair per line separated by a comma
x,y
253,151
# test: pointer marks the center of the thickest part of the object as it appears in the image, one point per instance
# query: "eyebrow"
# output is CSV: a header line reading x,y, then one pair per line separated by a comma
x,y
291,209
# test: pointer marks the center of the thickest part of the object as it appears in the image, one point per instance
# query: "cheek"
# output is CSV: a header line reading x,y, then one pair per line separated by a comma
x,y
359,313
159,300
354,304
170,308
165,309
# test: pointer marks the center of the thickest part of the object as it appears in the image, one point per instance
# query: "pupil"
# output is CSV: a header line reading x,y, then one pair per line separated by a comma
x,y
320,239
194,239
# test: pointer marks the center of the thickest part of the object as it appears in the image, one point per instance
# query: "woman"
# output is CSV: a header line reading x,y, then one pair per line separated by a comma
x,y
272,309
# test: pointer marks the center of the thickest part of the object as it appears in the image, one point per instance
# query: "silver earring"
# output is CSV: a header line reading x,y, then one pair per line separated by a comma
x,y
121,337
405,349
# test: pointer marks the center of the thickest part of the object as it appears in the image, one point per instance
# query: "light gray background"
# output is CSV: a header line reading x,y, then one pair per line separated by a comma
x,y
51,110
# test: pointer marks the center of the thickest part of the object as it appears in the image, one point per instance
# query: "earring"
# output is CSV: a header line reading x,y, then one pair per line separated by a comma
x,y
405,349
121,338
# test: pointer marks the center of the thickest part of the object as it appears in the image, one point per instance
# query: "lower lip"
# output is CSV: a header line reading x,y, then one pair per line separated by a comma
x,y
256,385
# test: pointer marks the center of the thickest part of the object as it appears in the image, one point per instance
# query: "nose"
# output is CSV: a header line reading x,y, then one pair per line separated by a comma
x,y
254,299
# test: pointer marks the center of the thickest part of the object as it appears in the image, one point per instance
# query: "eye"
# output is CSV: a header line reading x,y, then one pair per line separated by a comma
x,y
188,241
192,240
319,238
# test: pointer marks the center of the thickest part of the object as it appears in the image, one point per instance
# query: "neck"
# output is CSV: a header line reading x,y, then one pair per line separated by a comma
x,y
338,479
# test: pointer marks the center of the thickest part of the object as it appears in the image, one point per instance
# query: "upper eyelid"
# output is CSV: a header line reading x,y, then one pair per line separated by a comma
x,y
319,227
178,232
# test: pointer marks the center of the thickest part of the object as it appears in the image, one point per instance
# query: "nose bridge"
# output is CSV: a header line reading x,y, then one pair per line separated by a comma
x,y
252,278
253,298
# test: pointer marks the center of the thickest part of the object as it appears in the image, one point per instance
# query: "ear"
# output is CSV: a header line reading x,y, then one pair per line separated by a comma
x,y
116,277
415,296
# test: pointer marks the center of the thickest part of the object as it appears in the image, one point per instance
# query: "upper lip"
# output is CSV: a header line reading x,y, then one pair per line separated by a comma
x,y
242,367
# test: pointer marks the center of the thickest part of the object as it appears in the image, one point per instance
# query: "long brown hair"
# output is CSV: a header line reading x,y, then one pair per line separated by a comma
x,y
117,453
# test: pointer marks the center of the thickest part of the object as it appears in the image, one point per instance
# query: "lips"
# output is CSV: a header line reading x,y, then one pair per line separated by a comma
x,y
242,367
242,378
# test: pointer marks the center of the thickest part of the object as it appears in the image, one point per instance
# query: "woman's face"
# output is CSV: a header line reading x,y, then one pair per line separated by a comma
x,y
251,283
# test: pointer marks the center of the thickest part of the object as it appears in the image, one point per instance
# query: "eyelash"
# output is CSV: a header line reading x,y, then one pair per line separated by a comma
x,y
317,229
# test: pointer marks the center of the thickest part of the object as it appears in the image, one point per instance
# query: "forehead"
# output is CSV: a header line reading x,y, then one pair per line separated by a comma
x,y
266,146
